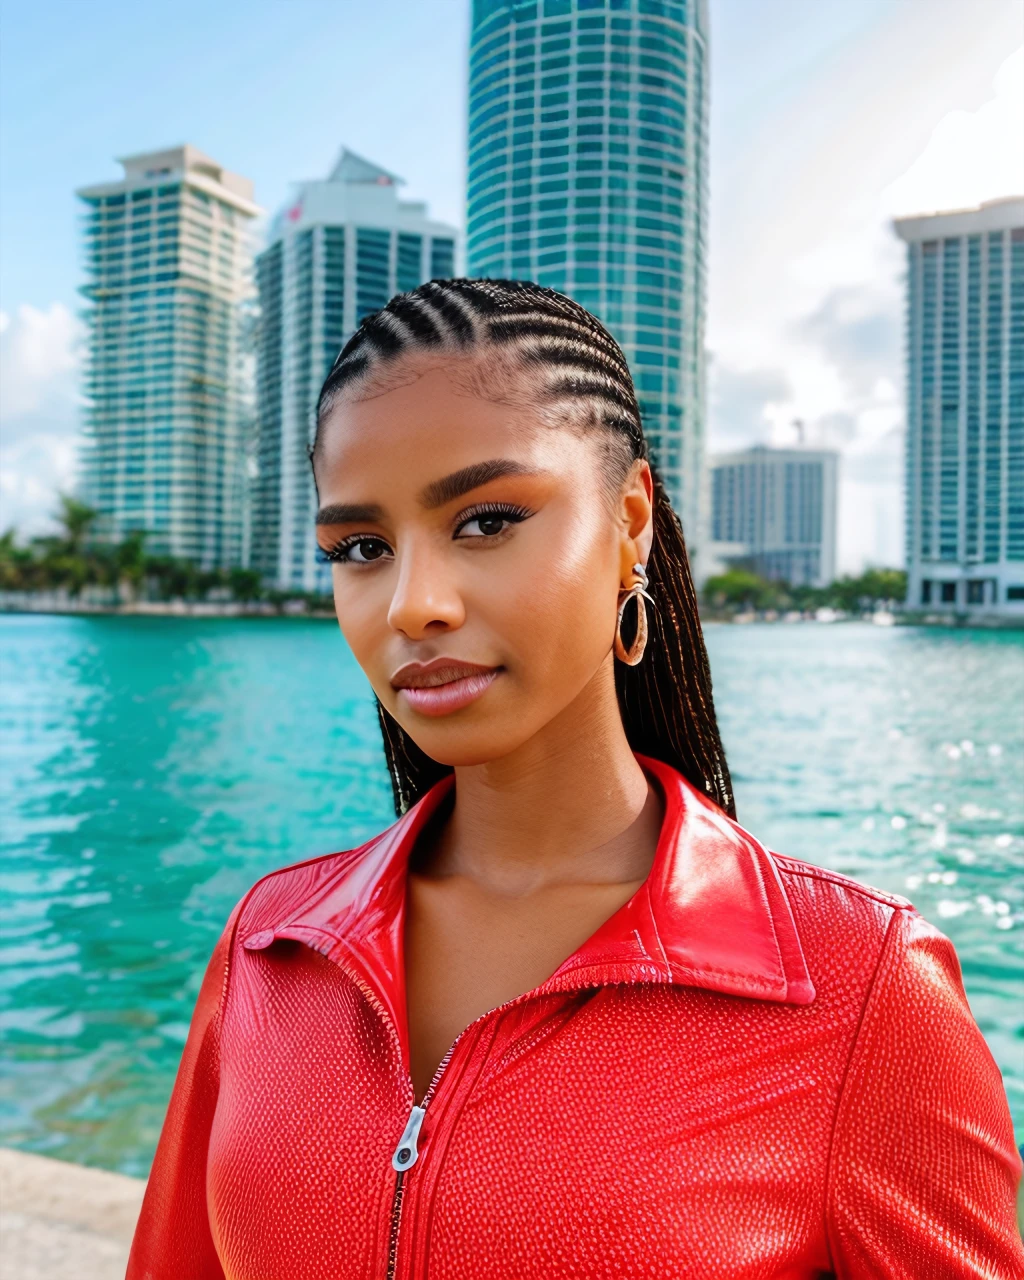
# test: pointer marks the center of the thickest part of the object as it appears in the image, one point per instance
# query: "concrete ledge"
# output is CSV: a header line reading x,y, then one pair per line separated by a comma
x,y
60,1221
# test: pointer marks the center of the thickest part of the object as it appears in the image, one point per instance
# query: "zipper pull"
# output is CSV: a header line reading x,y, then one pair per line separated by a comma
x,y
406,1153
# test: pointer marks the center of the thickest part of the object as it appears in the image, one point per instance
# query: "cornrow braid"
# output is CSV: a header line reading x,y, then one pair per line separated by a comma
x,y
567,361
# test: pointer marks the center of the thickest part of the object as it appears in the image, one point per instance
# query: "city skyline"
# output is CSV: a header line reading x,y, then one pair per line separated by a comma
x,y
805,286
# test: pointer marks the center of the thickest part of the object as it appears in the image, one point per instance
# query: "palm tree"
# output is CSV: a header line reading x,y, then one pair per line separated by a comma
x,y
65,558
17,564
77,520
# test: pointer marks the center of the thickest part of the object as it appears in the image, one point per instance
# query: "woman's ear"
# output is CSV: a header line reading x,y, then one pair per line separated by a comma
x,y
636,517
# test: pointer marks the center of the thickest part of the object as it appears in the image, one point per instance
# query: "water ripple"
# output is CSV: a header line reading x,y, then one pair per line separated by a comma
x,y
152,769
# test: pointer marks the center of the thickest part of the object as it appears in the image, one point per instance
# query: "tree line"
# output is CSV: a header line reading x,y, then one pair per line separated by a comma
x,y
73,558
740,589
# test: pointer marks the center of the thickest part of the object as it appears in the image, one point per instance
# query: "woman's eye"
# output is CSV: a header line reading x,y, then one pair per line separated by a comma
x,y
358,551
365,550
487,525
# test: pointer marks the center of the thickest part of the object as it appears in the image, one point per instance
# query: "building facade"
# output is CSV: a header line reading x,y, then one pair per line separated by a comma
x,y
965,408
773,511
341,250
588,126
168,262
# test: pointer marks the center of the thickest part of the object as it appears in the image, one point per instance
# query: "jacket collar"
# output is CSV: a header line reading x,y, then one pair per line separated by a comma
x,y
712,913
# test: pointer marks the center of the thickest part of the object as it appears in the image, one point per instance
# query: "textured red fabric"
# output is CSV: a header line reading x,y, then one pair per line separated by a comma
x,y
756,1068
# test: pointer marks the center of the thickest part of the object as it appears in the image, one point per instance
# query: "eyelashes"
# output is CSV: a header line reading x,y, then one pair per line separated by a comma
x,y
506,511
373,548
340,552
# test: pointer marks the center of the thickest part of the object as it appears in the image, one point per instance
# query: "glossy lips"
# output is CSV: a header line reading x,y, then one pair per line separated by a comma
x,y
444,685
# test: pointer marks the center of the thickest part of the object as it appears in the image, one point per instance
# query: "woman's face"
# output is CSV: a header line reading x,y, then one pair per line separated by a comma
x,y
479,561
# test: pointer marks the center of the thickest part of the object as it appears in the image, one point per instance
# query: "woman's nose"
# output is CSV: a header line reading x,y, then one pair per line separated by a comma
x,y
426,598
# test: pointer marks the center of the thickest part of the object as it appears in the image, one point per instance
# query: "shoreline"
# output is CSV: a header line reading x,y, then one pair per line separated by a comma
x,y
171,609
303,610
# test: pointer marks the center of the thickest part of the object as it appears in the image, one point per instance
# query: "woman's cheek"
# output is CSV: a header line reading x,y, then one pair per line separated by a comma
x,y
545,621
511,596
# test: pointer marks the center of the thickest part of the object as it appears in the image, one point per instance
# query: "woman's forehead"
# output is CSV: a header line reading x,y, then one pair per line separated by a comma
x,y
432,424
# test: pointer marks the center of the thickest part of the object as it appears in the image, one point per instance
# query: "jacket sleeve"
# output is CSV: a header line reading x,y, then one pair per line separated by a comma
x,y
924,1168
173,1240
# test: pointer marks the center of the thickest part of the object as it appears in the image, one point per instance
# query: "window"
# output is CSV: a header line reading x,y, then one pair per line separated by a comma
x,y
976,591
442,258
949,593
409,270
1015,591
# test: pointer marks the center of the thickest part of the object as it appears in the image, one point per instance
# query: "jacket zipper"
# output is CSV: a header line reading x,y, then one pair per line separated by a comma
x,y
407,1152
410,1138
408,1144
412,1128
409,1141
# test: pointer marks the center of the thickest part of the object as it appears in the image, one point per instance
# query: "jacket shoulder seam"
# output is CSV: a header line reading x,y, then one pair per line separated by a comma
x,y
793,867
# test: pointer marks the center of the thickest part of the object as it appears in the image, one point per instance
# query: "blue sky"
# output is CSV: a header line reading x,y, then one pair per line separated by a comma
x,y
828,116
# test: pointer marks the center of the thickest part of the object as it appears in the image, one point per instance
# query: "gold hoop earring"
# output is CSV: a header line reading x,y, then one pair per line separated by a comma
x,y
635,652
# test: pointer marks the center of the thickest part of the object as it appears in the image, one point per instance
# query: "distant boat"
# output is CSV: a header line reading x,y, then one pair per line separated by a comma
x,y
883,618
825,615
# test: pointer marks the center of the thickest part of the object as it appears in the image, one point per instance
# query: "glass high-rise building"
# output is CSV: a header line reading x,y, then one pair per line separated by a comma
x,y
168,261
341,249
965,408
773,511
588,124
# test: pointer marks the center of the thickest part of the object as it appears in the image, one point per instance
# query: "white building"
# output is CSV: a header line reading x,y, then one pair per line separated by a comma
x,y
773,511
168,263
965,408
341,250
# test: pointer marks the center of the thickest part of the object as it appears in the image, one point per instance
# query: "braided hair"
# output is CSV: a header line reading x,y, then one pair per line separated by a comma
x,y
521,343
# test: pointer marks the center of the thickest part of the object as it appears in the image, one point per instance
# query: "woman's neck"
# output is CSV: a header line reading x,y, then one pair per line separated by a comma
x,y
570,805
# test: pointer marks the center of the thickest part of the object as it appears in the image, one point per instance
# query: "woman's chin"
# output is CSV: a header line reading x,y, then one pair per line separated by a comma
x,y
462,745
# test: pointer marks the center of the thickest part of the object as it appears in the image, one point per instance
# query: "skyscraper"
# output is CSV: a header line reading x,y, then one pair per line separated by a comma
x,y
340,250
774,511
168,266
588,172
965,408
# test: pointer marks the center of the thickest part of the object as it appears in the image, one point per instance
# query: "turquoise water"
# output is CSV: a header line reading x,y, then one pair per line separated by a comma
x,y
153,768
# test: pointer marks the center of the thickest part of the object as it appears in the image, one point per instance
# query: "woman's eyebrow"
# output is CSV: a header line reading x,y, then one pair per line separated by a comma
x,y
453,486
350,513
435,494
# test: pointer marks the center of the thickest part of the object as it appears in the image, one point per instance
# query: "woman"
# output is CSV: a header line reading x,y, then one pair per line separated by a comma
x,y
564,1018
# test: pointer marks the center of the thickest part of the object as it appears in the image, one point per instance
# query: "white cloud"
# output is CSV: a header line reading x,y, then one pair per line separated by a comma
x,y
971,156
39,412
742,401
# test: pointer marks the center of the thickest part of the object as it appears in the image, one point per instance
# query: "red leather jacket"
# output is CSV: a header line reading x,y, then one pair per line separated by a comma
x,y
755,1068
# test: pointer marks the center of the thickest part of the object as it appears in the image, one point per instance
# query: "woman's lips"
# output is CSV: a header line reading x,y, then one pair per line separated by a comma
x,y
442,699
